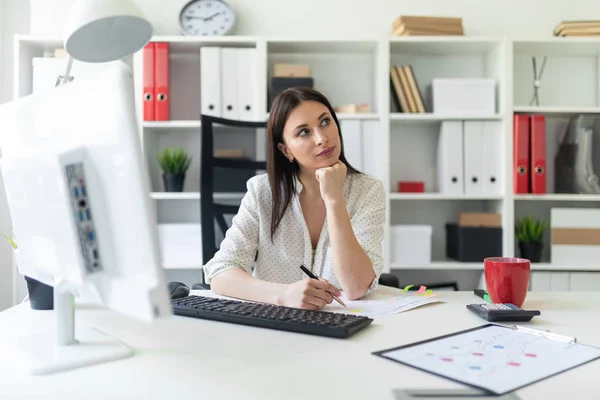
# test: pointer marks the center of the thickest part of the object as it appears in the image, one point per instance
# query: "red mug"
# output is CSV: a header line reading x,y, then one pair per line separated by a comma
x,y
507,279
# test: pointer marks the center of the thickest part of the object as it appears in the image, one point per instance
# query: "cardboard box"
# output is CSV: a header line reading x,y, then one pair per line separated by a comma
x,y
480,219
574,236
291,70
353,108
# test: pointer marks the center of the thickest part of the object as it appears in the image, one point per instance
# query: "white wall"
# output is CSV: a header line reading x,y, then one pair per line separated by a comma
x,y
310,18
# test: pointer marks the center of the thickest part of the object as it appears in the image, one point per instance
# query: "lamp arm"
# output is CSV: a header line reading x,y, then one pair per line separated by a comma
x,y
67,76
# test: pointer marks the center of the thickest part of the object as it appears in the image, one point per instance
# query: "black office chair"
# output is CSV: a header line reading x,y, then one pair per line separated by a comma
x,y
212,211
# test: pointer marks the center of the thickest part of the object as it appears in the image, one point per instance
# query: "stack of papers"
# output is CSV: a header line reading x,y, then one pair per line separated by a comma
x,y
383,301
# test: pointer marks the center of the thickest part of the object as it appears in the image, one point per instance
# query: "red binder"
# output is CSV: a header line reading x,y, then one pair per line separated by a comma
x,y
521,153
161,82
148,82
538,154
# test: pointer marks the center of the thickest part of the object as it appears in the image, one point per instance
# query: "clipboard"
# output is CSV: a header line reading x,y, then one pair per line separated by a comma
x,y
496,359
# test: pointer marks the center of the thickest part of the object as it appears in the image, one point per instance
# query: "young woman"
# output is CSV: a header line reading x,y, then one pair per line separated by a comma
x,y
311,208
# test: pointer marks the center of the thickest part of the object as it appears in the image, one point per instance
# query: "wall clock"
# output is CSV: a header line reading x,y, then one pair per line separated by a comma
x,y
206,18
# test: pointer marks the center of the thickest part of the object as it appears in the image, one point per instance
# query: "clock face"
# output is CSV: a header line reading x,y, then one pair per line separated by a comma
x,y
206,18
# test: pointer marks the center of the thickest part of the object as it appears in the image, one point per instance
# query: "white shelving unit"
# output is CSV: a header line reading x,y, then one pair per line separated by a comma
x,y
356,70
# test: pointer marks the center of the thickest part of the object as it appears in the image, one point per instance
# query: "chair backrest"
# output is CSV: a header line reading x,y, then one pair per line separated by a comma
x,y
210,210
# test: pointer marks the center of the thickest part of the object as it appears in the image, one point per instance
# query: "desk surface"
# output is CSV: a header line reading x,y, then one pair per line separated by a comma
x,y
179,357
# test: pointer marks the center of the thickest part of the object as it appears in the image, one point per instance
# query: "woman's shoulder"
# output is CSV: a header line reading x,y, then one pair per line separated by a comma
x,y
259,186
362,184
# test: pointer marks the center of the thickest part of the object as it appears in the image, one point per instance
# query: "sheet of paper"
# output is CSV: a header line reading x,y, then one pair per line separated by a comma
x,y
495,358
382,302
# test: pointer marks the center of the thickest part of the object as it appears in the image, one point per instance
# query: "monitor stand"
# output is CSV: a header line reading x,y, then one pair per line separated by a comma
x,y
45,342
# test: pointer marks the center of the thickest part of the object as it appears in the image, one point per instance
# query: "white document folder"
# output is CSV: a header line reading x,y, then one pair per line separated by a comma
x,y
371,148
473,136
210,81
246,84
353,143
229,83
450,159
492,156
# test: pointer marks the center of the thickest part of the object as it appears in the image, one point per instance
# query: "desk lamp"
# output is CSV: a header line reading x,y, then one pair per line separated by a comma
x,y
99,31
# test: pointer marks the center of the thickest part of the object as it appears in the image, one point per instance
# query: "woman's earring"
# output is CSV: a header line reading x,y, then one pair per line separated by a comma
x,y
292,159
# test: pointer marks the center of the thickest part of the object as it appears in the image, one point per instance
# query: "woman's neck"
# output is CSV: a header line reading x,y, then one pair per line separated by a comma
x,y
310,184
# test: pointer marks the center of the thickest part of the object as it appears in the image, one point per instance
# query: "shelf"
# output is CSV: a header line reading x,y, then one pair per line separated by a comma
x,y
444,44
441,196
182,266
195,42
556,110
321,46
360,116
447,265
558,46
418,117
193,196
182,124
557,197
574,268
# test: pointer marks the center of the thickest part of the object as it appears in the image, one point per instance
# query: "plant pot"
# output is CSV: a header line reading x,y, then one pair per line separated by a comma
x,y
41,296
531,251
173,182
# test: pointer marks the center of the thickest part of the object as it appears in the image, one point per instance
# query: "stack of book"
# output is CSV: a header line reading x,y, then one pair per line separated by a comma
x,y
578,28
420,26
405,91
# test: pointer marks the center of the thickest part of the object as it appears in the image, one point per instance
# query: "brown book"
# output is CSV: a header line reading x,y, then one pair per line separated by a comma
x,y
574,24
591,31
413,32
400,97
428,27
427,19
229,153
412,105
479,219
414,88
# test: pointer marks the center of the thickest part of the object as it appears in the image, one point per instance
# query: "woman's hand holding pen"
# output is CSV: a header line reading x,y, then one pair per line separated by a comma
x,y
331,181
309,293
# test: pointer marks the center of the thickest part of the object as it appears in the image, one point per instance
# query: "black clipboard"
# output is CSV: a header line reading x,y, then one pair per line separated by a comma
x,y
567,341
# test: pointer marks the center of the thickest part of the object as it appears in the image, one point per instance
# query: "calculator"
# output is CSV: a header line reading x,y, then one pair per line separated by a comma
x,y
502,312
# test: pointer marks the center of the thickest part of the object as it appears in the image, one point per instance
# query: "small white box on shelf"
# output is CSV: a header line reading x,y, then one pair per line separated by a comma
x,y
411,244
180,245
471,96
575,236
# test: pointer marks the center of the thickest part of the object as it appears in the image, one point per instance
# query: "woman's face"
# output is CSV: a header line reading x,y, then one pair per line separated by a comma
x,y
311,137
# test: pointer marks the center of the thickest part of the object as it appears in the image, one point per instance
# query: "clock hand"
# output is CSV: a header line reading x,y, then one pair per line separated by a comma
x,y
212,16
191,17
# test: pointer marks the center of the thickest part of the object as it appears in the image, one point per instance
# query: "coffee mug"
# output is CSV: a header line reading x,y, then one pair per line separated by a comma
x,y
507,279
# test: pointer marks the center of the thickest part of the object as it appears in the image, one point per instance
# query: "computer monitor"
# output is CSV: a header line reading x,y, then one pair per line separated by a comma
x,y
79,199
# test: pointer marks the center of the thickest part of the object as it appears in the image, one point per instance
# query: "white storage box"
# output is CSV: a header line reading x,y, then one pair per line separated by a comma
x,y
411,244
575,236
180,245
471,96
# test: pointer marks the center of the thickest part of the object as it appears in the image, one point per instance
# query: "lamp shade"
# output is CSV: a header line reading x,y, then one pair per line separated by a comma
x,y
105,30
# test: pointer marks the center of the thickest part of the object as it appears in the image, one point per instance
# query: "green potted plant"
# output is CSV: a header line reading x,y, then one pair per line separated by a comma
x,y
530,233
174,163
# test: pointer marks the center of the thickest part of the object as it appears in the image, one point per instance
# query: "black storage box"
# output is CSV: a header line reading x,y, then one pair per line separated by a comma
x,y
279,84
473,244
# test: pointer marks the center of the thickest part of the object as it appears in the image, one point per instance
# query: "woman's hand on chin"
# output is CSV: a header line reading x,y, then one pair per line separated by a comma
x,y
331,181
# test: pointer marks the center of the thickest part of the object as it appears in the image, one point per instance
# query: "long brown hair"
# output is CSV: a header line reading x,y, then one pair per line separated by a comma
x,y
281,172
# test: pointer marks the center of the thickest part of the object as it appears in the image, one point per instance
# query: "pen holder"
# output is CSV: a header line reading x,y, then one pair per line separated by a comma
x,y
41,296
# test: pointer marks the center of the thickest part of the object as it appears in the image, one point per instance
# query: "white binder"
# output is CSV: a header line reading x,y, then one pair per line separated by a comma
x,y
473,136
371,149
450,159
353,143
229,83
210,81
246,84
492,155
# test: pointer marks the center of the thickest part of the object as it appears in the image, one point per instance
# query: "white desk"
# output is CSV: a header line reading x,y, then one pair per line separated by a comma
x,y
183,357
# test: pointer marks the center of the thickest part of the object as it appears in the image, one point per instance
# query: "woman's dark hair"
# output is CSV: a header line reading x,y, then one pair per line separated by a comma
x,y
281,172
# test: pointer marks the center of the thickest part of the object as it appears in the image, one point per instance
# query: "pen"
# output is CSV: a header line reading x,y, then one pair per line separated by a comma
x,y
313,276
483,294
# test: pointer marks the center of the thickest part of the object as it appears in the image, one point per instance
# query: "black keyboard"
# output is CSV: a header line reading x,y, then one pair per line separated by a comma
x,y
322,323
